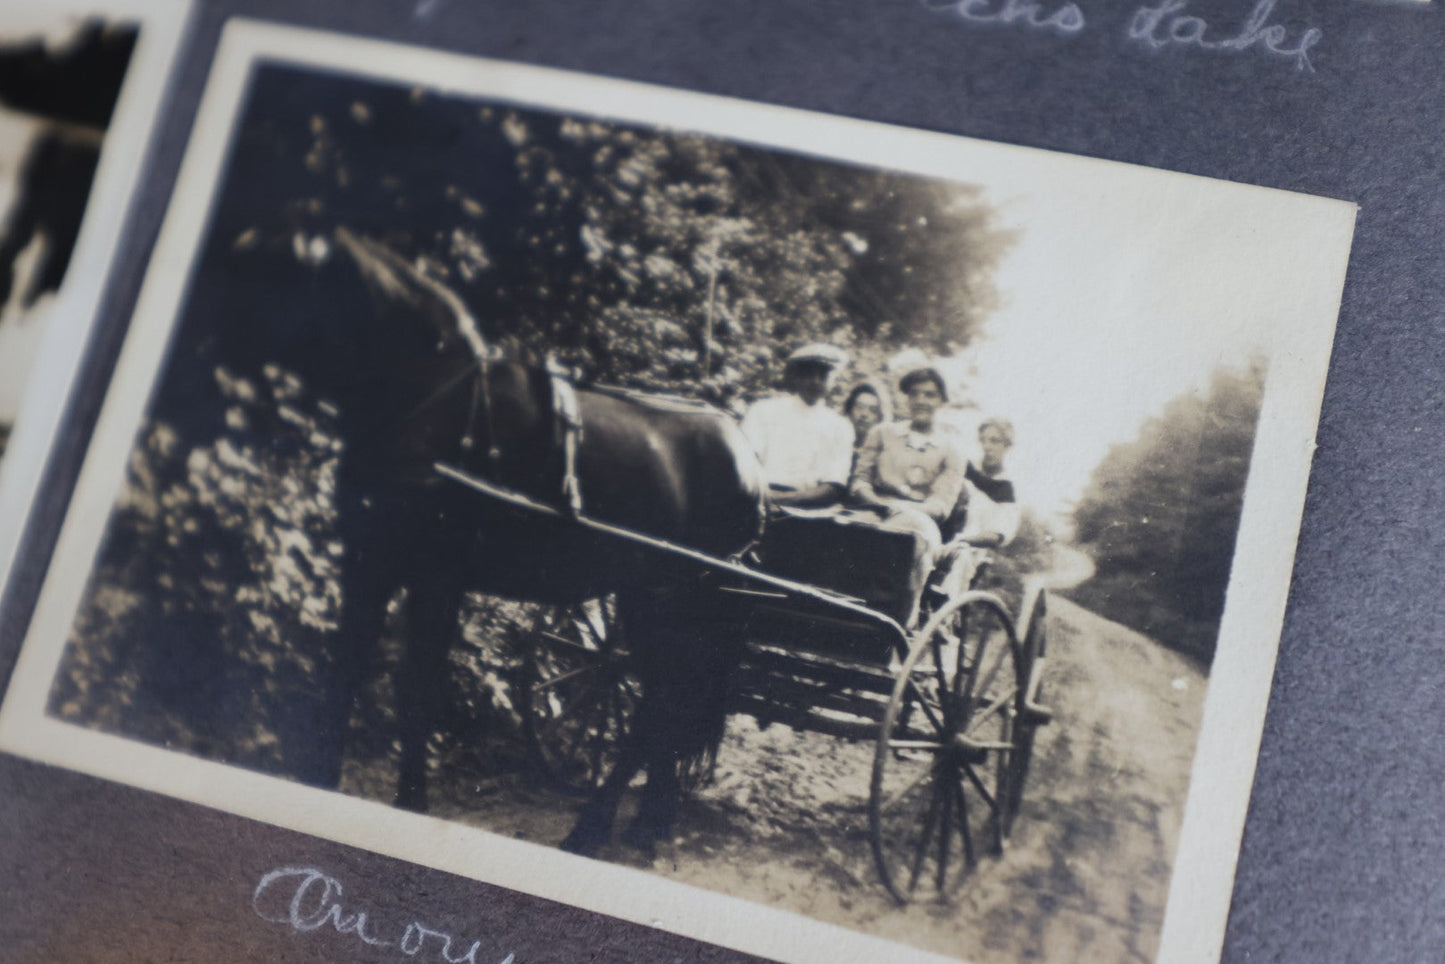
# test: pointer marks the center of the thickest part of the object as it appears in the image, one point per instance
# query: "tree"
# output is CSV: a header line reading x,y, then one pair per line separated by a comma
x,y
647,257
1161,513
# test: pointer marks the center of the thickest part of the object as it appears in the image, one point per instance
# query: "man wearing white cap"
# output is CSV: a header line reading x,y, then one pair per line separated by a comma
x,y
805,447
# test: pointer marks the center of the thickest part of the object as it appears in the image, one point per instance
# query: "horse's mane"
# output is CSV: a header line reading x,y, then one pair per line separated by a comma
x,y
399,279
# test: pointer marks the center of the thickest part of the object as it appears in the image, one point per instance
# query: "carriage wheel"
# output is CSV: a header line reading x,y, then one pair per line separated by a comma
x,y
1033,647
579,694
945,752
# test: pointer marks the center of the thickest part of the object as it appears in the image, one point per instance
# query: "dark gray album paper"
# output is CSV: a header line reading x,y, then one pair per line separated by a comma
x,y
1104,852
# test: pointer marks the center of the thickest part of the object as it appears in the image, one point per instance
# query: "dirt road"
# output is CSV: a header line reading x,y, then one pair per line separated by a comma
x,y
1084,876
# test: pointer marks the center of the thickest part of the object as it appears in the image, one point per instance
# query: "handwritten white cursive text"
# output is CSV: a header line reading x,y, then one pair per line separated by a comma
x,y
1163,25
1155,24
307,899
1066,19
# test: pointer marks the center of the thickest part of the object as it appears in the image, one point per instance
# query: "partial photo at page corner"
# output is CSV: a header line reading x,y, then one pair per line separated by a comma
x,y
80,87
917,513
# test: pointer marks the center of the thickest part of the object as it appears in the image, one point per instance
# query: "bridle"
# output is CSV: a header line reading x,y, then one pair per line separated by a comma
x,y
482,402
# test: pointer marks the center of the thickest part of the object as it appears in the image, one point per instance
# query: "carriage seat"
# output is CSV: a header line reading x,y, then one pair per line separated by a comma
x,y
844,554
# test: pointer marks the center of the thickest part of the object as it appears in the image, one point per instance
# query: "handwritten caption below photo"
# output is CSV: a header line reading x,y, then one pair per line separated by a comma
x,y
307,900
1155,25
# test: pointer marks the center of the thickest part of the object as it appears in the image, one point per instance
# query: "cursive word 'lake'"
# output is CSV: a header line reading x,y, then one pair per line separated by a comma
x,y
1157,24
1165,24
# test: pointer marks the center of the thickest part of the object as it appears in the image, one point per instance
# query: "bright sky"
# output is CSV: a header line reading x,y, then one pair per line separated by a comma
x,y
1117,297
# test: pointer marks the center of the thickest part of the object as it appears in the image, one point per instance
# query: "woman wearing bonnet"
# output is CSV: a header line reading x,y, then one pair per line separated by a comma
x,y
867,405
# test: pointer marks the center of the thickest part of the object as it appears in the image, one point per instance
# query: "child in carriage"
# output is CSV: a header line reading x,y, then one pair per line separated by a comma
x,y
987,513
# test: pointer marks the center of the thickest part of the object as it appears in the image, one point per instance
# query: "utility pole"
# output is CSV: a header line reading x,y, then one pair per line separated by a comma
x,y
707,317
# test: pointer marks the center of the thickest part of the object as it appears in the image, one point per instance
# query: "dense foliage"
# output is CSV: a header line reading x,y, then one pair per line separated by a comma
x,y
652,258
1161,513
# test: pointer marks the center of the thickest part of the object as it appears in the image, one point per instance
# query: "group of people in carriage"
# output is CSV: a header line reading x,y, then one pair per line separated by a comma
x,y
916,476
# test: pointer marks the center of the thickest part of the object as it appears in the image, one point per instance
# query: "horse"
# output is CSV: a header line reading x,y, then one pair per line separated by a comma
x,y
415,384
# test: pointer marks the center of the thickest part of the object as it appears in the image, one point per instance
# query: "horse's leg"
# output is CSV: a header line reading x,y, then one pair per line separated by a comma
x,y
366,586
695,658
668,693
594,824
432,629
657,811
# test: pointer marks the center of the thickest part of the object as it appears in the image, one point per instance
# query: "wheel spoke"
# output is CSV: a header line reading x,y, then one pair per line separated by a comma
x,y
921,851
928,711
562,716
896,798
990,710
983,687
971,676
969,857
945,831
973,778
563,641
561,678
929,746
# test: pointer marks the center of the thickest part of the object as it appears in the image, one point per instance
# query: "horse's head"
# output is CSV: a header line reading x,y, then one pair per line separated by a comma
x,y
400,286
430,384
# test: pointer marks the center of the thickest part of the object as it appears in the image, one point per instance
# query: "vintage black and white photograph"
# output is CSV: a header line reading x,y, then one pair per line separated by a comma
x,y
69,149
697,499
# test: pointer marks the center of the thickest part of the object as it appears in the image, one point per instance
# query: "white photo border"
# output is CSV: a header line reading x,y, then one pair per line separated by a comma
x,y
1240,677
124,149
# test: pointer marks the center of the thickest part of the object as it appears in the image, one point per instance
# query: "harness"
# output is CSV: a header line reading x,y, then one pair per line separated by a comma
x,y
567,429
566,423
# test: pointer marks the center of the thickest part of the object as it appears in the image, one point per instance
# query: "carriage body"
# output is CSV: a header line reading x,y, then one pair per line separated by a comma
x,y
950,708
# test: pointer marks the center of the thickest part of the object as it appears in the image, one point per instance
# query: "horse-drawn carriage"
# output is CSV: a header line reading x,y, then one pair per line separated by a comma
x,y
467,468
952,708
